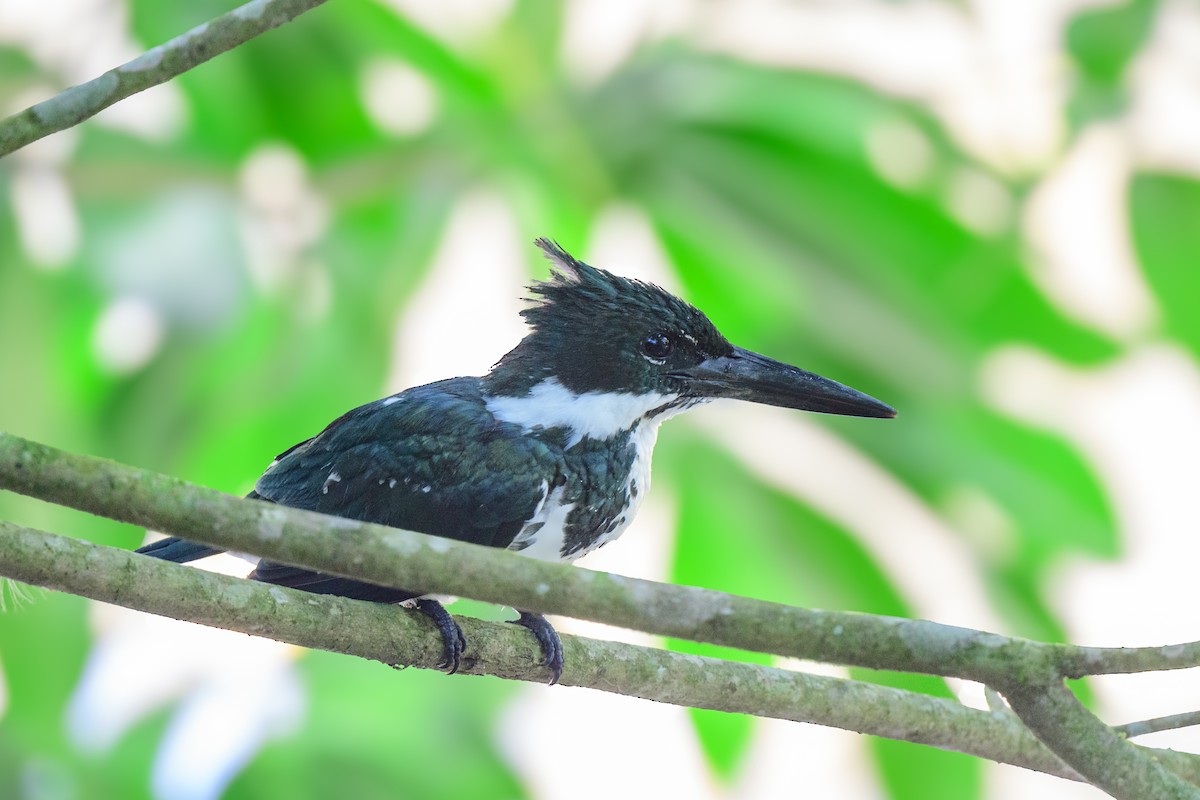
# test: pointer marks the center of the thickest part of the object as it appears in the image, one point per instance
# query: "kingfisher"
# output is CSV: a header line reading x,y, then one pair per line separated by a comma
x,y
547,455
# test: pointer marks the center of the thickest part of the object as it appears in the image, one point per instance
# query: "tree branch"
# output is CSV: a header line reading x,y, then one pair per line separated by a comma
x,y
1158,724
1029,673
157,65
1105,759
393,636
405,559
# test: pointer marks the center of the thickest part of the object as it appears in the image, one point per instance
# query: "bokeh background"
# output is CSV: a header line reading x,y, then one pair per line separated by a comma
x,y
986,213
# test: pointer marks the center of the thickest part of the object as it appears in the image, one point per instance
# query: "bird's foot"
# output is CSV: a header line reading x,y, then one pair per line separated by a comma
x,y
452,636
547,637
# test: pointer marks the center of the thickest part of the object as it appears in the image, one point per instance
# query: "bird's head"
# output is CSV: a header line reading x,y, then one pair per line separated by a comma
x,y
596,333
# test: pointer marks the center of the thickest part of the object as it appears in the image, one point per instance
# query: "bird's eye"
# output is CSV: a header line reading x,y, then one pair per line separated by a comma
x,y
658,346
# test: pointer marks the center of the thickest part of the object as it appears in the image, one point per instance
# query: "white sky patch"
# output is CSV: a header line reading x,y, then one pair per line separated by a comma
x,y
282,217
465,315
832,759
201,752
598,415
622,241
1078,225
993,72
659,753
140,663
127,335
1012,783
600,35
399,99
47,222
1164,79
551,765
157,114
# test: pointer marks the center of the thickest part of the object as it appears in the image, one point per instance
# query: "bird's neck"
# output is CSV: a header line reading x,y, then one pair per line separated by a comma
x,y
595,415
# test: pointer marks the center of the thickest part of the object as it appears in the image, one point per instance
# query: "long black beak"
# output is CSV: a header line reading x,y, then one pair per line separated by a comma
x,y
744,375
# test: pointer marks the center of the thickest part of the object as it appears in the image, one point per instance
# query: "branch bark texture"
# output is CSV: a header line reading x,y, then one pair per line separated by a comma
x,y
157,65
405,559
395,636
1029,673
1105,759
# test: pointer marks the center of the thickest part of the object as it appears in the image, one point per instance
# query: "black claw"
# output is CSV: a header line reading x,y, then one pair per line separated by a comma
x,y
453,641
547,637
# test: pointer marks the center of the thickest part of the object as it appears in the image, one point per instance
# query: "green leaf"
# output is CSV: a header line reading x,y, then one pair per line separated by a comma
x,y
1165,215
1104,40
913,772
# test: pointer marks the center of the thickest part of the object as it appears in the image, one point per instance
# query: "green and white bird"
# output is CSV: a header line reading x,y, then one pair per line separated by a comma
x,y
547,455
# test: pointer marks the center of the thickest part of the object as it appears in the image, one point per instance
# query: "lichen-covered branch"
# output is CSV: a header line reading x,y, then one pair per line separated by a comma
x,y
1105,759
394,636
414,561
1030,674
157,65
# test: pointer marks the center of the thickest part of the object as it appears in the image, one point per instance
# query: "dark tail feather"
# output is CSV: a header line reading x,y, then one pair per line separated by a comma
x,y
178,550
320,583
182,551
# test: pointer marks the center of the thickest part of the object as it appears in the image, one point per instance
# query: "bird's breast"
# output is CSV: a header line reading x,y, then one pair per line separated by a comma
x,y
600,493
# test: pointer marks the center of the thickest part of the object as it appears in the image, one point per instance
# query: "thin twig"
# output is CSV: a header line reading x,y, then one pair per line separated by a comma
x,y
157,65
1169,723
996,701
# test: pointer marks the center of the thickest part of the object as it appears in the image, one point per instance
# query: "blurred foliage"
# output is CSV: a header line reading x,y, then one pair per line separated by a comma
x,y
757,181
1166,226
1103,41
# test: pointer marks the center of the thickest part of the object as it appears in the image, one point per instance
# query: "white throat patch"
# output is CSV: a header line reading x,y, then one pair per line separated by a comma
x,y
598,415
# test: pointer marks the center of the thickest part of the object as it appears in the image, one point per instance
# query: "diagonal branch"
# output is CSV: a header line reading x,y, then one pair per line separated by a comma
x,y
391,635
405,559
1104,758
1029,673
157,65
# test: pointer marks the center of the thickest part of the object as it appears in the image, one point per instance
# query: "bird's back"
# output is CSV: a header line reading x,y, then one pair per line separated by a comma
x,y
431,459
